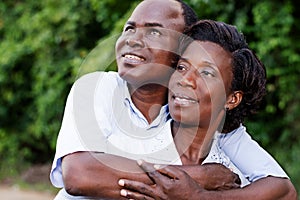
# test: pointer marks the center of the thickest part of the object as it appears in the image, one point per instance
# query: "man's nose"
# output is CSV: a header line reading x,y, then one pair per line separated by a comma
x,y
136,40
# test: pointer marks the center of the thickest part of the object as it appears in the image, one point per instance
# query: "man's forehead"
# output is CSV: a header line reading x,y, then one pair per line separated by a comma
x,y
157,12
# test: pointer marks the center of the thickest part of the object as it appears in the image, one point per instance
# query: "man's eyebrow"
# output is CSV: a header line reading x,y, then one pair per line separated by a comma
x,y
149,24
153,25
131,23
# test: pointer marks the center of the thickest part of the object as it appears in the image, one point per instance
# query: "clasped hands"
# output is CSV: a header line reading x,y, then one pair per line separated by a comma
x,y
171,182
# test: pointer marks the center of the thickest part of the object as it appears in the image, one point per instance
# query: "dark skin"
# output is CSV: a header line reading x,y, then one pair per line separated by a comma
x,y
168,187
143,57
94,174
200,82
144,53
97,174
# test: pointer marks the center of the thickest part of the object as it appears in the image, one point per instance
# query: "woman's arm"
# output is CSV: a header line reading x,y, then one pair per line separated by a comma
x,y
171,182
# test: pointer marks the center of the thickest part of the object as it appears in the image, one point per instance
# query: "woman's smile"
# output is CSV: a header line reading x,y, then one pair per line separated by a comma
x,y
183,100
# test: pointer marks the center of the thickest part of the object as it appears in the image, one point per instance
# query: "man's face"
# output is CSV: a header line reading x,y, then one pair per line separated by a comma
x,y
145,49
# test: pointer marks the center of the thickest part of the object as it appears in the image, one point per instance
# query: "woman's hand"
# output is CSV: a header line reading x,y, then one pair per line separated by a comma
x,y
215,176
169,183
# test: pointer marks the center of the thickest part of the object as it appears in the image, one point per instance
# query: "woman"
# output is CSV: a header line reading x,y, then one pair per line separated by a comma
x,y
218,80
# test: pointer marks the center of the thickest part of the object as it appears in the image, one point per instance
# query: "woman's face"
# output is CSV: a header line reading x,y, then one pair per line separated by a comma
x,y
199,87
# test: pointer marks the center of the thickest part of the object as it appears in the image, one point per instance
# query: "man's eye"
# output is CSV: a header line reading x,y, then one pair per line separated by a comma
x,y
155,32
129,29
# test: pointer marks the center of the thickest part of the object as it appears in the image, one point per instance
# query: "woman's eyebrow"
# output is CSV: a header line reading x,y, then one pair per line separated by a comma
x,y
184,59
206,62
210,64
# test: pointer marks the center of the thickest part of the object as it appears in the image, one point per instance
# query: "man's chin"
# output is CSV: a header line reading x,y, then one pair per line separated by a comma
x,y
130,78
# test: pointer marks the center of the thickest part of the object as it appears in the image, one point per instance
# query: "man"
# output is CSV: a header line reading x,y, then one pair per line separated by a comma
x,y
144,54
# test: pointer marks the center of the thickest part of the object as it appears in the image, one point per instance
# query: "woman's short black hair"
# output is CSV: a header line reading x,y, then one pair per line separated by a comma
x,y
249,73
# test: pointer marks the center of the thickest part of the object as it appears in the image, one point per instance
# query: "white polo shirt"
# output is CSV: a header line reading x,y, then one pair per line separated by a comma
x,y
100,116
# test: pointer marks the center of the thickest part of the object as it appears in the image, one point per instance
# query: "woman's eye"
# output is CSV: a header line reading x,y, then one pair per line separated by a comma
x,y
207,73
180,67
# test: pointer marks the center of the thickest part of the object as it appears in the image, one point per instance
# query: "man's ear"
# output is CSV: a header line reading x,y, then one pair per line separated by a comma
x,y
234,100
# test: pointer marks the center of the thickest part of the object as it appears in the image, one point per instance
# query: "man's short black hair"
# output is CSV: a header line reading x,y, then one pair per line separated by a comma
x,y
190,17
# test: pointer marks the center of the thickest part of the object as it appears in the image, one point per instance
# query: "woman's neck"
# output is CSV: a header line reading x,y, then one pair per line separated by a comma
x,y
193,143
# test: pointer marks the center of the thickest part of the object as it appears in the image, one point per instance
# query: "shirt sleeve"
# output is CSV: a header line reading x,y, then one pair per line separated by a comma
x,y
216,155
250,158
79,130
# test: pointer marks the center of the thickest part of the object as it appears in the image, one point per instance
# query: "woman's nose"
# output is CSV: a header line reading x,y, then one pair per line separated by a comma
x,y
187,80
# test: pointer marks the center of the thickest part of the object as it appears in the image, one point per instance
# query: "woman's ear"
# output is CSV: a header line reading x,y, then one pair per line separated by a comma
x,y
234,100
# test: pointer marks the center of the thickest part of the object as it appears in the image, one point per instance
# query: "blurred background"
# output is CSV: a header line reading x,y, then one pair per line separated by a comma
x,y
46,45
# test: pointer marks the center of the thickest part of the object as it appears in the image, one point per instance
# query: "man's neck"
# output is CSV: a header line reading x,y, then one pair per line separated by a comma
x,y
149,99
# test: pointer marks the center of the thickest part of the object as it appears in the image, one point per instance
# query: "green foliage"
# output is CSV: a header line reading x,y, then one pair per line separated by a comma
x,y
43,44
46,45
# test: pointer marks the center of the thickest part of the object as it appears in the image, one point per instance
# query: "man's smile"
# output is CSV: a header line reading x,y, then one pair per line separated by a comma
x,y
133,58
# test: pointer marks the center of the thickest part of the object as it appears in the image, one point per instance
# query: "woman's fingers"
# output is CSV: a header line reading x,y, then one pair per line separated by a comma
x,y
170,183
155,175
134,195
170,171
131,186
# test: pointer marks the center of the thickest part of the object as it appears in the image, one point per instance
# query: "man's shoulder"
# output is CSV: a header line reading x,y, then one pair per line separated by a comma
x,y
91,84
235,137
109,79
111,75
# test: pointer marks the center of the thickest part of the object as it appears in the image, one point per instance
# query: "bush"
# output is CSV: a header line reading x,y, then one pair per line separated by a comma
x,y
44,43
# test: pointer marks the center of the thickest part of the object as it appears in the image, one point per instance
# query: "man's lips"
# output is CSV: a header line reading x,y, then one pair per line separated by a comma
x,y
133,58
183,100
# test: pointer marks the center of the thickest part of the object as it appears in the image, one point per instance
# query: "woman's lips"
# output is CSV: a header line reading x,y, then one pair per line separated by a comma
x,y
184,100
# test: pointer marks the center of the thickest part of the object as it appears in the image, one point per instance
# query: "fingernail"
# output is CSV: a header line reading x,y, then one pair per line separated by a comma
x,y
121,182
139,162
123,193
156,166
